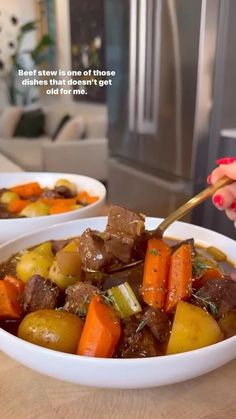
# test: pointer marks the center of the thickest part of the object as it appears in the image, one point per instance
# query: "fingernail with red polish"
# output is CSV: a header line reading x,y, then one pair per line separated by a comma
x,y
226,160
218,200
233,206
209,180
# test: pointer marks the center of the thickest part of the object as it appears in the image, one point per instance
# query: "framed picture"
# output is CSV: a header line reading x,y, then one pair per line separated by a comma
x,y
88,42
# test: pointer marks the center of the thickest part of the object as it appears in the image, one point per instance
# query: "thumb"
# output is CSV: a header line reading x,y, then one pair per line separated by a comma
x,y
224,170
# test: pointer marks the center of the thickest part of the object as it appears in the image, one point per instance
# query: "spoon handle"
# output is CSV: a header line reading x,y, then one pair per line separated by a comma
x,y
193,202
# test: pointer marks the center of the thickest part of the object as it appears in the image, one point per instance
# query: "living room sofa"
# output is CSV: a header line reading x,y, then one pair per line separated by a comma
x,y
7,165
80,147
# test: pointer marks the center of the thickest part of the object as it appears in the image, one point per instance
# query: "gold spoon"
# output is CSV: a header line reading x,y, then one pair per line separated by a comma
x,y
179,213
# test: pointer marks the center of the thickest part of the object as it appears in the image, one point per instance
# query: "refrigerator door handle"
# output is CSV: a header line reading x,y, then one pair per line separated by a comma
x,y
149,32
228,133
132,62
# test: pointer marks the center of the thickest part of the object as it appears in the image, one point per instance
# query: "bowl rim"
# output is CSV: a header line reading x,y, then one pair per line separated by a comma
x,y
71,357
57,217
162,358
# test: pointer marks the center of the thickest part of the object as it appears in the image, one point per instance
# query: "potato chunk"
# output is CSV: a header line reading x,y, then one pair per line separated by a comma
x,y
193,328
52,329
32,263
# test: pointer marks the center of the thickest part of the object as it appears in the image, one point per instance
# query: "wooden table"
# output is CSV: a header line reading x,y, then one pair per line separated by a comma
x,y
25,394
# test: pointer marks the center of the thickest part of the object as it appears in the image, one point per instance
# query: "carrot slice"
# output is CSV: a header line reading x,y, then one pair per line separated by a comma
x,y
17,206
211,273
60,208
9,304
156,265
27,190
92,199
55,201
101,331
83,197
17,283
179,283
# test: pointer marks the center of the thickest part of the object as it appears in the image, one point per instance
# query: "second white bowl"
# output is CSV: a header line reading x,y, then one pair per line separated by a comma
x,y
15,227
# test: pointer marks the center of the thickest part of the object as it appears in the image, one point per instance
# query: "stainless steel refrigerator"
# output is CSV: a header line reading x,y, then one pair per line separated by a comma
x,y
164,134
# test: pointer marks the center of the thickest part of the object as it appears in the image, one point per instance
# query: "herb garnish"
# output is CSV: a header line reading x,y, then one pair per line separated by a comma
x,y
208,304
81,312
86,299
108,299
153,251
199,268
141,325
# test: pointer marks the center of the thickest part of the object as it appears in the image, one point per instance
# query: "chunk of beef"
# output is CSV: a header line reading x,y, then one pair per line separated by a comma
x,y
58,245
227,324
33,198
40,293
78,297
126,220
10,326
231,275
113,281
50,194
140,247
123,229
136,344
133,276
220,292
92,250
158,322
64,192
4,213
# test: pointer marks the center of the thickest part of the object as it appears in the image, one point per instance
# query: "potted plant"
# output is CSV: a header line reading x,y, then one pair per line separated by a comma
x,y
24,59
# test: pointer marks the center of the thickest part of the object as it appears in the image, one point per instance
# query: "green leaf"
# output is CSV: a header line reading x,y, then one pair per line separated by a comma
x,y
209,305
201,265
29,26
108,299
34,99
37,53
24,29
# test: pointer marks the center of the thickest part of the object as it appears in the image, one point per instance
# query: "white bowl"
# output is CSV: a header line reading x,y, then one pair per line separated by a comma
x,y
16,227
118,373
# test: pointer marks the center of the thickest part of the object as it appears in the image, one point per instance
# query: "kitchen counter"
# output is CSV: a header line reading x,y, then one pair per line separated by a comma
x,y
25,394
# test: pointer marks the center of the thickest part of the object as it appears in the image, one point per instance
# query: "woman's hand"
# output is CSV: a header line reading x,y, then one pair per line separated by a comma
x,y
225,198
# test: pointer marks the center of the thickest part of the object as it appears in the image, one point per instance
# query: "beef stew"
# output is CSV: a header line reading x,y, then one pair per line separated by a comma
x,y
32,200
181,298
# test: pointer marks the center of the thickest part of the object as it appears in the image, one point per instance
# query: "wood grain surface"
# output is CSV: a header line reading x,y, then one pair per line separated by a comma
x,y
25,394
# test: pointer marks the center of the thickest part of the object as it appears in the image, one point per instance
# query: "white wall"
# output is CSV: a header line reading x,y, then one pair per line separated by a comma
x,y
25,11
